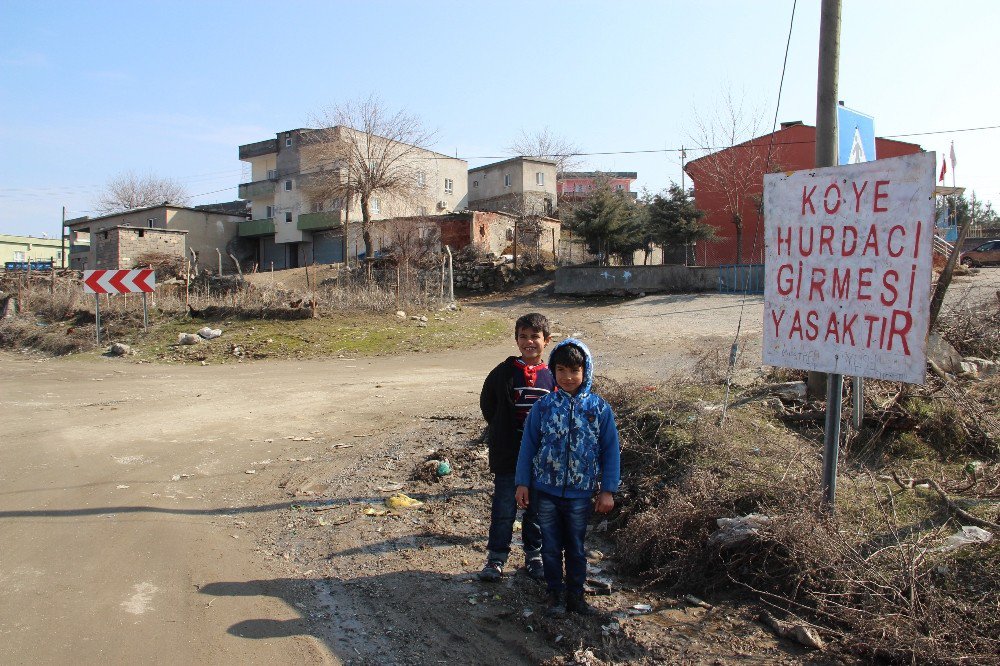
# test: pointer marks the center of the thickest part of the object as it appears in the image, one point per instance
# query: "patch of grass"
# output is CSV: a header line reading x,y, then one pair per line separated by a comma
x,y
342,334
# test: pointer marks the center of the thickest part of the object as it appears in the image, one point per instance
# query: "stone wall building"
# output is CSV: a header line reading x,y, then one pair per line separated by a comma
x,y
121,247
207,232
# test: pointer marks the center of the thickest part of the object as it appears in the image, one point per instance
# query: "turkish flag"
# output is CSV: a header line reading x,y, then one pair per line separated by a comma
x,y
944,169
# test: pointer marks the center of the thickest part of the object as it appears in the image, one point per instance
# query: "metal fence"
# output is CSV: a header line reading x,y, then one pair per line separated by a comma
x,y
741,279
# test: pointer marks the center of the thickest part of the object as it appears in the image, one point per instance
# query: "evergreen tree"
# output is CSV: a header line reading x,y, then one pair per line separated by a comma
x,y
675,221
611,223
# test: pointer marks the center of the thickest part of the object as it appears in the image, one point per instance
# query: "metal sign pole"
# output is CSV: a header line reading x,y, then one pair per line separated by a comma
x,y
145,314
831,442
858,395
97,310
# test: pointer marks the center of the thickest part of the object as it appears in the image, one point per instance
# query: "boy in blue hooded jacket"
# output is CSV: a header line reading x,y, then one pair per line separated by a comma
x,y
569,453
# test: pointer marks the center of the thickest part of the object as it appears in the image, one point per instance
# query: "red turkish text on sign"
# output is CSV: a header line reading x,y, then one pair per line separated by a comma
x,y
848,268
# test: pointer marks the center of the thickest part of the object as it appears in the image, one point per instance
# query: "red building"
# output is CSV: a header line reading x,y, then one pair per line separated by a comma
x,y
579,184
730,182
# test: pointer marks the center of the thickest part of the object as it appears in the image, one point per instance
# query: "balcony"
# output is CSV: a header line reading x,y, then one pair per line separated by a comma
x,y
258,188
318,221
254,228
260,148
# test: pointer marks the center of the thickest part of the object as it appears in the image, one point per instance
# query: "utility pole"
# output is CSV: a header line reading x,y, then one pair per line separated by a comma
x,y
826,156
827,84
62,234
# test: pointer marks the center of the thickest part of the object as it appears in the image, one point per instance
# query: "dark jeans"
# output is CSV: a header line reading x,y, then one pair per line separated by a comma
x,y
502,522
564,526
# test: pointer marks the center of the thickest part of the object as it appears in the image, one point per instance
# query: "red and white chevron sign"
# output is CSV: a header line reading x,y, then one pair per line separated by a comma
x,y
119,281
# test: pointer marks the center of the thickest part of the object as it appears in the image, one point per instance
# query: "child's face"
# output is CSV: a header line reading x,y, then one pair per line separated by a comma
x,y
569,379
531,343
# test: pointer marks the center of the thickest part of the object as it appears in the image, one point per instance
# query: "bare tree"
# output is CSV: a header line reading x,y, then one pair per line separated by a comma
x,y
544,143
129,190
734,166
366,151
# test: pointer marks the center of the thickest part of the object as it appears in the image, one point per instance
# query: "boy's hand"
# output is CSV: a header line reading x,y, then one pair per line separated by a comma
x,y
605,502
521,496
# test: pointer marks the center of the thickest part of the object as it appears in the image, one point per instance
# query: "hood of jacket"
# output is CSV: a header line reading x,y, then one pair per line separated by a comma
x,y
588,364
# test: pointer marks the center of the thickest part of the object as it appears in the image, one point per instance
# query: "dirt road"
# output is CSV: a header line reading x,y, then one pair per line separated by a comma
x,y
158,513
125,489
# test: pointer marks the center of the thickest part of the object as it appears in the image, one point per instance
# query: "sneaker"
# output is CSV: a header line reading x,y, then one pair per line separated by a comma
x,y
554,604
535,569
492,571
575,603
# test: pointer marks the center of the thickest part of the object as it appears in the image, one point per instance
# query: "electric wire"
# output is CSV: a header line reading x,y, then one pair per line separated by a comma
x,y
749,272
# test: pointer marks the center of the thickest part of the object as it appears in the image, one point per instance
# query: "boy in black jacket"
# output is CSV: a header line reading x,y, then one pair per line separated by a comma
x,y
508,394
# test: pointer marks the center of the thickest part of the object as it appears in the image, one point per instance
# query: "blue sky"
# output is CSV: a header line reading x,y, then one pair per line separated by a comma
x,y
90,89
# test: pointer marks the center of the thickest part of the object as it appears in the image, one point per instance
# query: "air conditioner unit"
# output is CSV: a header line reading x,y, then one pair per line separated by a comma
x,y
442,205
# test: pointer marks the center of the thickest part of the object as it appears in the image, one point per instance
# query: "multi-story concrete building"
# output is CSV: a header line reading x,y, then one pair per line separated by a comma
x,y
205,231
580,184
296,221
519,186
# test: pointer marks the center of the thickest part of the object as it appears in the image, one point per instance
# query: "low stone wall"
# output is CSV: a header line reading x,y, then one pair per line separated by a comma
x,y
488,278
593,280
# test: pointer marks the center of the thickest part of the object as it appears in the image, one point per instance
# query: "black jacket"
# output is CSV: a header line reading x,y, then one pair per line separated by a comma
x,y
497,404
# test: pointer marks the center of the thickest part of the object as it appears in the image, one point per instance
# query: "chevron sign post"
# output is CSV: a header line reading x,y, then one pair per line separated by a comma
x,y
119,281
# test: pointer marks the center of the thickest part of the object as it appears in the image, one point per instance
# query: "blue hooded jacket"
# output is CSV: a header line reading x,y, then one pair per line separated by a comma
x,y
570,442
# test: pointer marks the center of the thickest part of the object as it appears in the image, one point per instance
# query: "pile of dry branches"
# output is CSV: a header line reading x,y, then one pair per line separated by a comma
x,y
878,579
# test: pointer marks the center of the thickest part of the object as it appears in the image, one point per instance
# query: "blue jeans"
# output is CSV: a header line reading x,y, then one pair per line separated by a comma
x,y
564,526
502,522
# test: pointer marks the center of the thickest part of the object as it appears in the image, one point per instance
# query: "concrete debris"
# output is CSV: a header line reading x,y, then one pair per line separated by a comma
x,y
119,349
187,339
943,354
210,333
400,314
799,633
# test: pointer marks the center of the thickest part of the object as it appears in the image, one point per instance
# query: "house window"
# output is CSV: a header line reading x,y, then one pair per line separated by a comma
x,y
104,235
449,186
578,188
288,142
270,212
149,222
375,206
424,232
288,218
272,174
421,210
539,178
317,206
506,180
510,234
421,179
619,187
142,232
475,183
288,186
18,255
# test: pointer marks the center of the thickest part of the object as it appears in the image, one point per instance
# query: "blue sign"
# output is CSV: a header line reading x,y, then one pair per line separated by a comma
x,y
856,136
28,265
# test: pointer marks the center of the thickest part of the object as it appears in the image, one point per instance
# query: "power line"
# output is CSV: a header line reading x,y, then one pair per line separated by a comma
x,y
24,192
756,233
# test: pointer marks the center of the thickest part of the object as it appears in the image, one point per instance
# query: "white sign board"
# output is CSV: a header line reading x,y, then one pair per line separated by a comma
x,y
848,268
